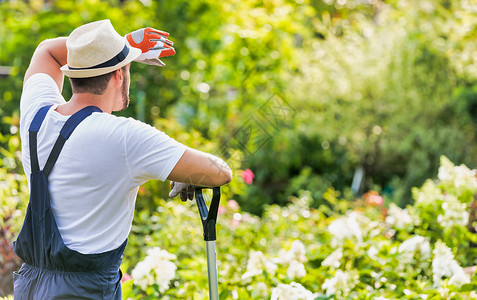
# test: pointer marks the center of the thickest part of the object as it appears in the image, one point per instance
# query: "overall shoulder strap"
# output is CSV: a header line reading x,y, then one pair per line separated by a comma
x,y
65,133
33,132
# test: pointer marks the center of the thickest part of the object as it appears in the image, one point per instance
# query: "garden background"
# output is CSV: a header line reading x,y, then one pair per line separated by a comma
x,y
357,119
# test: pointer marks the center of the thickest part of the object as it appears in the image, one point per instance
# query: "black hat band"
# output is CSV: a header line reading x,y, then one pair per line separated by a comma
x,y
112,62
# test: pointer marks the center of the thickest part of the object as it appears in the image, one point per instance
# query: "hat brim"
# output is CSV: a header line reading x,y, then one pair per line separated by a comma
x,y
84,73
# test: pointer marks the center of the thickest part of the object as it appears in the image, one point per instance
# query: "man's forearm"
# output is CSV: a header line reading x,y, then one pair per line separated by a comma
x,y
57,49
202,169
49,56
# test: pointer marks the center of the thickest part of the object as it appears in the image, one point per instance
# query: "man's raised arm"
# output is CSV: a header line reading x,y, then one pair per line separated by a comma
x,y
48,58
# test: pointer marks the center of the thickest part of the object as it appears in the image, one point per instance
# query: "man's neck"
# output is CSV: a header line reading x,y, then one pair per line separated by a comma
x,y
82,100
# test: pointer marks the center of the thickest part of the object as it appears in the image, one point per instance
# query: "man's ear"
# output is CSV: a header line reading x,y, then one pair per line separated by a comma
x,y
119,76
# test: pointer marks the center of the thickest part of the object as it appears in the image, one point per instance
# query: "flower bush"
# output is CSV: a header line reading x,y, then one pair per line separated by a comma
x,y
352,250
346,250
13,200
157,268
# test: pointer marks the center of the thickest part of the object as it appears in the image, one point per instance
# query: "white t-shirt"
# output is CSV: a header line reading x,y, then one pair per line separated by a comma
x,y
94,183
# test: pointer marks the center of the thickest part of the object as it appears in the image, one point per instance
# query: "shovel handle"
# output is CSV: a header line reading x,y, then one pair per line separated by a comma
x,y
208,216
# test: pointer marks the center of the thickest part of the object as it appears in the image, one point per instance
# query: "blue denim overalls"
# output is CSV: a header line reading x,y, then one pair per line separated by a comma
x,y
51,270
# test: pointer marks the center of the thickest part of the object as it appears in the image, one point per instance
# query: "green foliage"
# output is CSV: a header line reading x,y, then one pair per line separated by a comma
x,y
301,92
385,91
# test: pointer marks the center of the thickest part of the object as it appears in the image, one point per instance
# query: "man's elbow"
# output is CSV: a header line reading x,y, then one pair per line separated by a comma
x,y
227,178
224,177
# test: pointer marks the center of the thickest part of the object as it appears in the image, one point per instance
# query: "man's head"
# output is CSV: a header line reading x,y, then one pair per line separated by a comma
x,y
96,49
97,55
98,85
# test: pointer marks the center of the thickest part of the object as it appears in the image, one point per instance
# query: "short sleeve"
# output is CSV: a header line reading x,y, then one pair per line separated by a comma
x,y
39,90
151,154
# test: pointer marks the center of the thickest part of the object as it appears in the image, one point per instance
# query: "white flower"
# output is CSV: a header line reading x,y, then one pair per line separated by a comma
x,y
346,227
428,194
444,265
164,274
373,228
333,260
398,217
155,268
259,290
461,177
455,212
284,257
298,251
293,291
296,269
415,243
142,274
373,253
343,281
294,258
257,262
158,255
459,279
464,177
446,170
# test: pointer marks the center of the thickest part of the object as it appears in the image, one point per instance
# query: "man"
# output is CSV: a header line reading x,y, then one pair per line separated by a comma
x,y
86,165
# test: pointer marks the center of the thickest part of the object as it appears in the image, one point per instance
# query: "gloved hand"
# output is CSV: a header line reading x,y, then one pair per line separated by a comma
x,y
186,190
153,44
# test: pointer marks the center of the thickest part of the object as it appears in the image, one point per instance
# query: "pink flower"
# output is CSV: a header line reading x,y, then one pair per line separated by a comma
x,y
247,176
236,223
373,198
222,210
233,205
126,277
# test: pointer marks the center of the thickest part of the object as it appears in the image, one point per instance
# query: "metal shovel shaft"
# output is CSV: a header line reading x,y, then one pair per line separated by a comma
x,y
212,269
209,219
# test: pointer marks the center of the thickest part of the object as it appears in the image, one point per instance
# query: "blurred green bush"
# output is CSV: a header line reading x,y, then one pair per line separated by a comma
x,y
303,93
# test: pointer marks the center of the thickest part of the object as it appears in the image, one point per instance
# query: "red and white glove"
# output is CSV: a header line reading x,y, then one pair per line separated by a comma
x,y
153,44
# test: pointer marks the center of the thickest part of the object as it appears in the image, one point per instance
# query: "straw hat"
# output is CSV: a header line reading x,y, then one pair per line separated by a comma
x,y
95,49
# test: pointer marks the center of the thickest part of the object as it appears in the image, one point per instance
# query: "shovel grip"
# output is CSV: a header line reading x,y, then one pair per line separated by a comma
x,y
208,216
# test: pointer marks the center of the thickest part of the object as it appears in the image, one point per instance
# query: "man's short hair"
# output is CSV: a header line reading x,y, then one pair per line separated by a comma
x,y
94,85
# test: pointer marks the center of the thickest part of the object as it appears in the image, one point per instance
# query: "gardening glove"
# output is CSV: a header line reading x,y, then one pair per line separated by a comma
x,y
153,44
186,190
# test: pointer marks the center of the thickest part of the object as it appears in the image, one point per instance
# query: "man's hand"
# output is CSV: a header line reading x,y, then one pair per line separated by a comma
x,y
153,44
186,190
